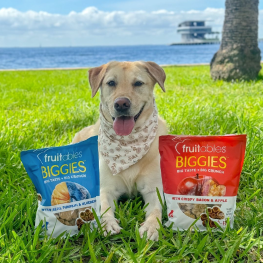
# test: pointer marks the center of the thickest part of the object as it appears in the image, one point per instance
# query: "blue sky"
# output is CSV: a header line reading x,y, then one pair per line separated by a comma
x,y
102,22
66,6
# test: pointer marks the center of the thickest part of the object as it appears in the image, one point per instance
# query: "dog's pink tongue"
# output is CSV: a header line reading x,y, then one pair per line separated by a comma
x,y
123,125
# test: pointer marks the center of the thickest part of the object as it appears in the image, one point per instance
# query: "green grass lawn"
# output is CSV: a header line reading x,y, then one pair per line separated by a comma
x,y
46,108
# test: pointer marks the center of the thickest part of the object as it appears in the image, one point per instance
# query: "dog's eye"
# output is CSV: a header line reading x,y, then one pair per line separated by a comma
x,y
111,83
138,83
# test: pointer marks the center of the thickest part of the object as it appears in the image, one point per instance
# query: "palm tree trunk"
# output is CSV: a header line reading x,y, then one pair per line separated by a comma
x,y
239,55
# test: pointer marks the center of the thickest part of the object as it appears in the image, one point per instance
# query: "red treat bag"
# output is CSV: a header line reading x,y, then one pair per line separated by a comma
x,y
200,177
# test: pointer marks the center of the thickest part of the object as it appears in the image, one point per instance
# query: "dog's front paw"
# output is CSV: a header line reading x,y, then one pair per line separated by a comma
x,y
151,229
110,226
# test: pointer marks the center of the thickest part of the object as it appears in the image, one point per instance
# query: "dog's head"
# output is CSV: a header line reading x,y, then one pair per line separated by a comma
x,y
126,92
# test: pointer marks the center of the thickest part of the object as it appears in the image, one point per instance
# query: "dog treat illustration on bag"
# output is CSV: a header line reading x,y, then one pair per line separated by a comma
x,y
201,186
67,183
200,177
67,192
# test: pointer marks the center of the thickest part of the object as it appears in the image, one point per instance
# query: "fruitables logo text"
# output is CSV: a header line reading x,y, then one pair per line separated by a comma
x,y
199,149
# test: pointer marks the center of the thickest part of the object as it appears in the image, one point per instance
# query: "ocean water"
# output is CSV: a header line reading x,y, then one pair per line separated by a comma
x,y
67,57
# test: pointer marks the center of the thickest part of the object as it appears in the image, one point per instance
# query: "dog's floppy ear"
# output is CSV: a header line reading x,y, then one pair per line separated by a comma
x,y
96,76
157,73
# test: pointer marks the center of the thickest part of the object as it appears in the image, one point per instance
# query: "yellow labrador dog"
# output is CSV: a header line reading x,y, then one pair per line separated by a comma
x,y
129,128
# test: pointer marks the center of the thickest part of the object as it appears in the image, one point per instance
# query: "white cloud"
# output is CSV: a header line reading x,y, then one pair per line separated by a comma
x,y
96,27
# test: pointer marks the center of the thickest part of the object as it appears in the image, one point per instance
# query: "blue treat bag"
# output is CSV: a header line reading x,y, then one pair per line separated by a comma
x,y
67,183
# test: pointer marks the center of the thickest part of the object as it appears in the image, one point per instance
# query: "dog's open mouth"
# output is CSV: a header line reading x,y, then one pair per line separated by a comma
x,y
124,125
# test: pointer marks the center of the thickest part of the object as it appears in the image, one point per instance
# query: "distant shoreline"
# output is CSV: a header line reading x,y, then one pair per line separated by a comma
x,y
138,45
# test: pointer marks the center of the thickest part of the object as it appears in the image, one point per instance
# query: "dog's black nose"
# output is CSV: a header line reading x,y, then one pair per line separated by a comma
x,y
122,104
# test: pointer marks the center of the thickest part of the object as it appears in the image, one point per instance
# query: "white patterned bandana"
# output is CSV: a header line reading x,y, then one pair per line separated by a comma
x,y
121,152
